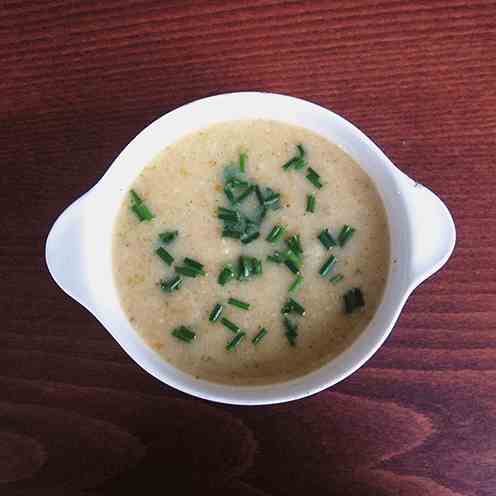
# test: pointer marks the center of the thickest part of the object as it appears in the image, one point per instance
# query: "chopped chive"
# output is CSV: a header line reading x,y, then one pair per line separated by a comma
x,y
328,265
293,256
171,285
260,214
314,178
245,194
230,325
336,279
248,238
193,264
291,331
292,266
235,341
353,299
276,257
165,255
245,268
242,162
229,232
168,236
326,239
293,306
345,234
276,233
289,163
311,201
262,333
238,303
139,208
228,215
142,212
229,194
184,334
294,244
257,266
216,312
188,271
296,284
272,199
226,274
135,198
297,162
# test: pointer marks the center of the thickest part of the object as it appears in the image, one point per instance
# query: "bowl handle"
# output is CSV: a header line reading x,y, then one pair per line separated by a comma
x,y
433,231
64,253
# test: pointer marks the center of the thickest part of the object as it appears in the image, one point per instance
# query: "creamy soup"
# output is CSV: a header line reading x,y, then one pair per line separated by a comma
x,y
328,261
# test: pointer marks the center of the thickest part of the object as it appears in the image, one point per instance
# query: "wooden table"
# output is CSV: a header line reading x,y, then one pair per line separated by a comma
x,y
79,80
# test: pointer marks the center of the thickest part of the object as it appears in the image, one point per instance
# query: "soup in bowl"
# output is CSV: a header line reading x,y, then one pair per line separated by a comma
x,y
250,248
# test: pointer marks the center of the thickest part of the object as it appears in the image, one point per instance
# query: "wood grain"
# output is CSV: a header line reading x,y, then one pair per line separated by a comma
x,y
79,80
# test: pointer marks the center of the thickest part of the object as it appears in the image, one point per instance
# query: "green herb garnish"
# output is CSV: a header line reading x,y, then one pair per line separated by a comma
x,y
345,234
326,239
311,201
291,331
257,266
188,271
242,162
194,264
297,162
328,265
226,275
216,313
353,299
238,303
249,237
168,236
292,266
294,244
235,341
165,255
231,232
276,233
139,208
228,215
292,306
171,285
230,325
296,284
184,334
262,333
336,279
314,178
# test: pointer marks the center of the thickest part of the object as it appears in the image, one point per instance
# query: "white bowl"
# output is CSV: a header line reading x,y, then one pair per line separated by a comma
x,y
79,255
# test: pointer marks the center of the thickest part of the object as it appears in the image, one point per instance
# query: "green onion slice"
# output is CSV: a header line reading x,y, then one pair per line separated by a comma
x,y
326,239
216,313
164,255
345,234
168,236
261,334
328,265
239,304
183,333
235,341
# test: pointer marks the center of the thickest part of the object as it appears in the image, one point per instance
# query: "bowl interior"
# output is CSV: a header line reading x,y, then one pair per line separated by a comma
x,y
103,201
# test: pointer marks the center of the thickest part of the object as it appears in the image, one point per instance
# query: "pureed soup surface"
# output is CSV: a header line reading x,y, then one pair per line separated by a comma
x,y
184,187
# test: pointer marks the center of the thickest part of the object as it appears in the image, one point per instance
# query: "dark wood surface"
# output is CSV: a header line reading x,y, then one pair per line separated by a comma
x,y
79,79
